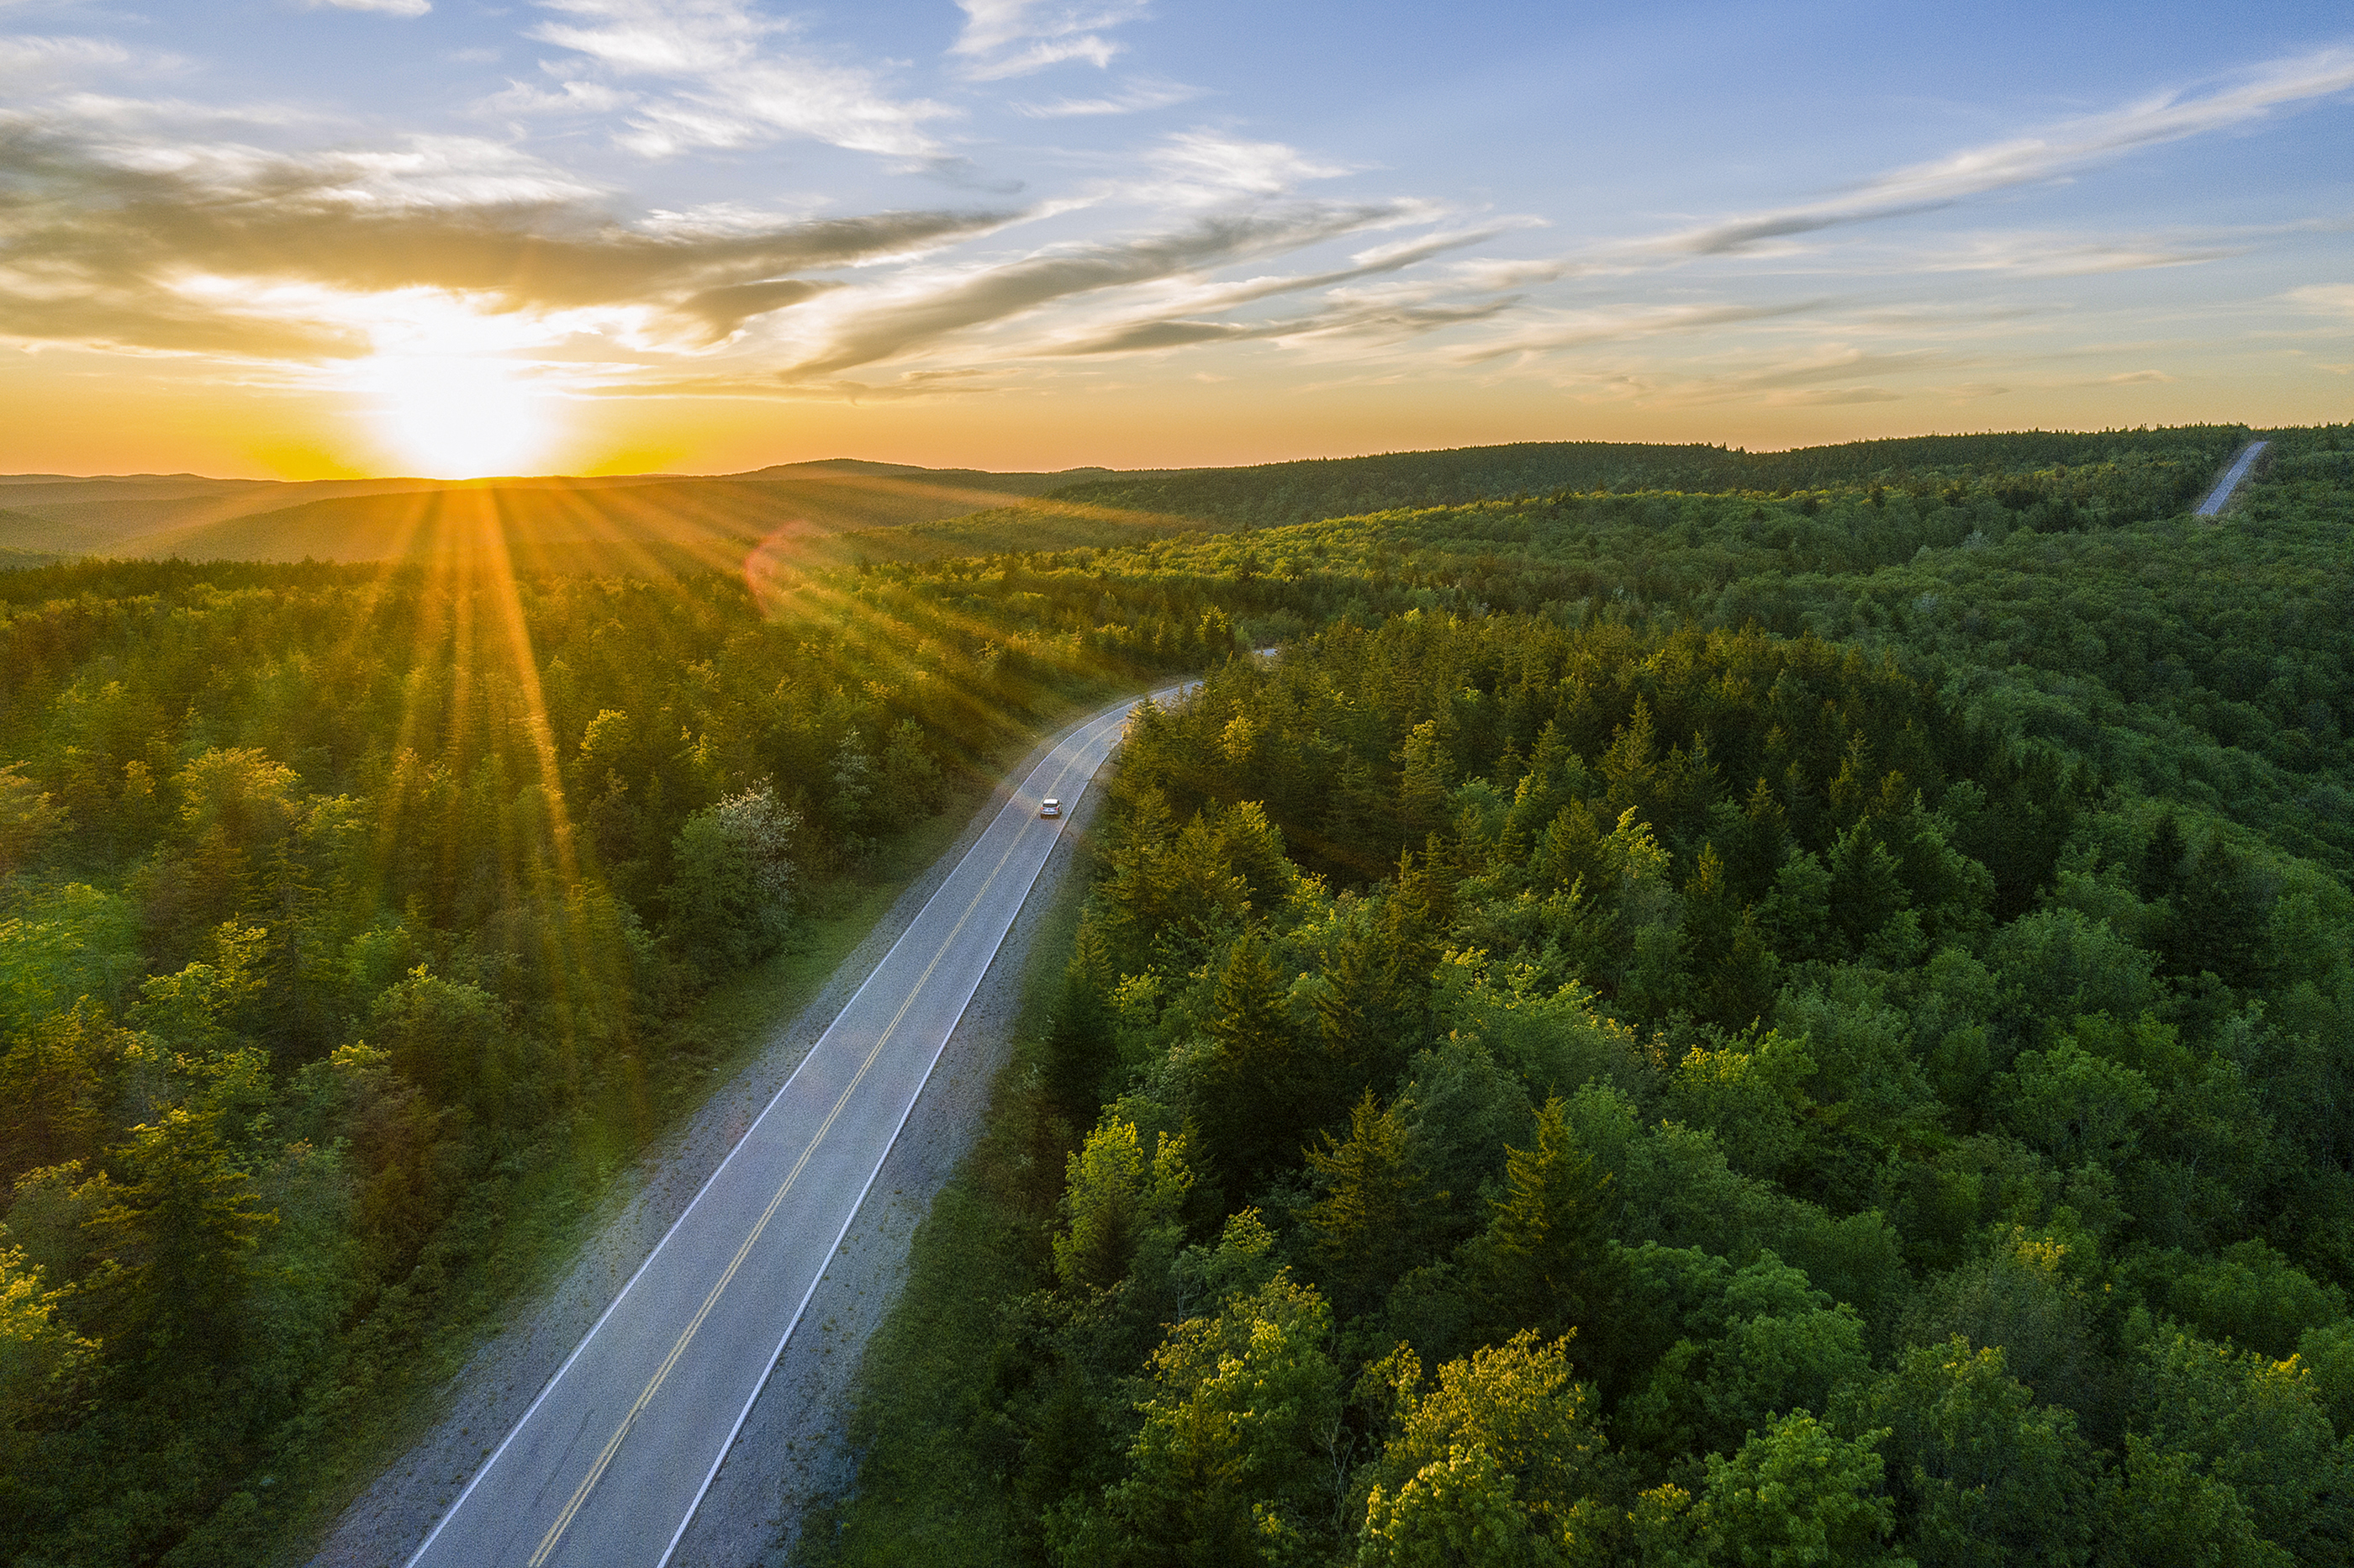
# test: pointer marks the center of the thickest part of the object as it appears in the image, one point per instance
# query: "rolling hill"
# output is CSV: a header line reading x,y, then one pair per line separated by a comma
x,y
633,524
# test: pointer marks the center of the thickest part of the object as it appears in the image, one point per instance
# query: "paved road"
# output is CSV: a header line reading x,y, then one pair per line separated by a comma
x,y
607,1466
2219,497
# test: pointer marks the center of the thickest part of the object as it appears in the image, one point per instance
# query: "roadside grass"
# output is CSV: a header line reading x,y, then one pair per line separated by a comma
x,y
518,1230
922,1491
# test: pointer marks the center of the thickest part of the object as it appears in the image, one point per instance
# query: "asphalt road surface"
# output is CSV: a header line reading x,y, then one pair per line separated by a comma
x,y
2219,497
607,1466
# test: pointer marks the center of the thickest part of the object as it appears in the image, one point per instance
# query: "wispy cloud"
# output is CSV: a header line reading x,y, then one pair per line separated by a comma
x,y
1827,377
922,311
155,226
727,86
2048,153
1136,99
133,244
2045,255
1180,319
1388,320
1218,166
1014,37
37,61
2041,156
2331,298
383,7
1582,329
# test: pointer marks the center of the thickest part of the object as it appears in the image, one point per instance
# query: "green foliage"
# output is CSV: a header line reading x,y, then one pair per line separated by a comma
x,y
1540,1263
1982,1475
1226,1468
1373,1195
1868,1080
1118,1201
1797,1493
732,884
1495,1463
1813,986
1771,1344
41,1359
342,906
2255,1426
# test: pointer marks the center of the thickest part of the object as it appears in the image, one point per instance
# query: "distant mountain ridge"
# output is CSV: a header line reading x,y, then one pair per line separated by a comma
x,y
869,510
554,522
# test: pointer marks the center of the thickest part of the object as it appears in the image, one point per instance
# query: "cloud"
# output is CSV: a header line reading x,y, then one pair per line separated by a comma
x,y
2334,298
1181,324
2257,94
2042,155
2037,255
40,61
1832,396
1380,319
1209,164
733,90
914,384
1586,328
898,322
383,7
569,96
1014,37
179,246
134,116
1800,385
730,305
1139,96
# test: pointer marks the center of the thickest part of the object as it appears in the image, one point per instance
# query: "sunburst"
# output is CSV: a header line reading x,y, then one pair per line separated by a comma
x,y
459,417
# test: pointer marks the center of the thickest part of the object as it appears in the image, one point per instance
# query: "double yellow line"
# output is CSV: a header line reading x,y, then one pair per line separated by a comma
x,y
654,1385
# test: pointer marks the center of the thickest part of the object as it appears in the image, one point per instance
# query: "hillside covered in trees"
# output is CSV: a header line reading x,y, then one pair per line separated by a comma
x,y
1688,1028
349,918
2178,463
1792,1008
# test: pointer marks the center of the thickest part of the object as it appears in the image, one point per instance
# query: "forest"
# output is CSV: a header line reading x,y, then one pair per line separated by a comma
x,y
1637,1039
1704,1007
347,907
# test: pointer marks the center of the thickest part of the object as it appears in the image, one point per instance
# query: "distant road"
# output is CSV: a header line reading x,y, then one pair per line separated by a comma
x,y
608,1465
2221,496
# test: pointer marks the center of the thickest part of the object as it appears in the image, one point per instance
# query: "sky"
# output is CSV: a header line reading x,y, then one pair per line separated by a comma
x,y
300,238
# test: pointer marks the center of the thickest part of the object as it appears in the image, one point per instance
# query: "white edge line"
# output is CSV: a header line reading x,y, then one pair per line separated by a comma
x,y
807,1057
810,1295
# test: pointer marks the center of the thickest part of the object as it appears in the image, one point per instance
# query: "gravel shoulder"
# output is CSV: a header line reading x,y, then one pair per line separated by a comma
x,y
790,1448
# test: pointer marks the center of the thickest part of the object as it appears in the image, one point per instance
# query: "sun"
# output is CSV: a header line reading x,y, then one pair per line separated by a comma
x,y
455,417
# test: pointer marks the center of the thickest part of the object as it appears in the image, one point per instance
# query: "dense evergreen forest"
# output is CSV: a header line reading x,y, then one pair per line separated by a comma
x,y
341,903
2176,464
1685,1029
1706,1008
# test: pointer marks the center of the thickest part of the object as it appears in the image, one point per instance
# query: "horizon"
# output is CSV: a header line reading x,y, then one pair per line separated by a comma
x,y
354,238
491,480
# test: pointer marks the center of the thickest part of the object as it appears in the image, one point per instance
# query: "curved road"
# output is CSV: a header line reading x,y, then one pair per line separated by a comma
x,y
608,1465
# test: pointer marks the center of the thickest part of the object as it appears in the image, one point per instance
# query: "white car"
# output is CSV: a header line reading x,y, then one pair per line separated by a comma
x,y
1050,806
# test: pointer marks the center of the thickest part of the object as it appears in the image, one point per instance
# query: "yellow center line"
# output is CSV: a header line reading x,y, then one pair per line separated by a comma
x,y
613,1444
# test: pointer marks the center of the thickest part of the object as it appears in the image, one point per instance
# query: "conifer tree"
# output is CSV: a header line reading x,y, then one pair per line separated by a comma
x,y
1542,1263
